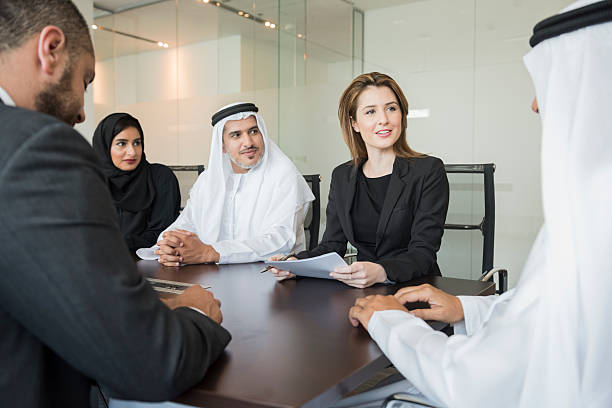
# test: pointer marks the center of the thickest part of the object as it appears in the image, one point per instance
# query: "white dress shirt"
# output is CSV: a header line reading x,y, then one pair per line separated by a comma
x,y
6,98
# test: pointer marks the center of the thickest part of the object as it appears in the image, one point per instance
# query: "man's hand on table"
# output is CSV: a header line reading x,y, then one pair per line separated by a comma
x,y
199,298
443,307
365,307
180,246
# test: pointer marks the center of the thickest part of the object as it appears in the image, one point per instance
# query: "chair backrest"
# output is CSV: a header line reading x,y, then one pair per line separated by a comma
x,y
313,218
186,176
487,225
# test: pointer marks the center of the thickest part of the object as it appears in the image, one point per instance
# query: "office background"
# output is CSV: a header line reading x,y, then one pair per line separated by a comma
x,y
173,63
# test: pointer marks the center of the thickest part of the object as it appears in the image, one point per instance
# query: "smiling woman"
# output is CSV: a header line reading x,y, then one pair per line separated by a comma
x,y
146,196
389,202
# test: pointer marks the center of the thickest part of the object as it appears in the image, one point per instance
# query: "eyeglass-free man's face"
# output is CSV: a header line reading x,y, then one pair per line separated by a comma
x,y
243,142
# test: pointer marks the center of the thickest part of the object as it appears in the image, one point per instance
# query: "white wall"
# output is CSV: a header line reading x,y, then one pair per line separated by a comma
x,y
174,92
87,128
462,59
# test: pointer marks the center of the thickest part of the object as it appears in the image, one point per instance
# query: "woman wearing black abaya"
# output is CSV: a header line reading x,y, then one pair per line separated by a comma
x,y
146,196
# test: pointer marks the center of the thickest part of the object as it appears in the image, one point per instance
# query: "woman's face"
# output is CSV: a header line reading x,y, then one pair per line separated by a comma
x,y
126,149
378,118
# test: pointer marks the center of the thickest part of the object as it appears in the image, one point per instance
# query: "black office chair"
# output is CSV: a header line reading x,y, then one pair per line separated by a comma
x,y
313,217
487,225
186,176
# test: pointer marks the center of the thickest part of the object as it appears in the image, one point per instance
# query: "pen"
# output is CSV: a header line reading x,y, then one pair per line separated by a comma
x,y
284,258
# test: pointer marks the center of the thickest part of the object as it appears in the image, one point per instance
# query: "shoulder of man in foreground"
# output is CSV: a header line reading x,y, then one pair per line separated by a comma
x,y
63,250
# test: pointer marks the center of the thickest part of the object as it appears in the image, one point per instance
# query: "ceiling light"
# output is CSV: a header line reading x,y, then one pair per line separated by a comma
x,y
162,44
240,13
218,4
205,1
267,24
246,15
272,25
300,35
93,26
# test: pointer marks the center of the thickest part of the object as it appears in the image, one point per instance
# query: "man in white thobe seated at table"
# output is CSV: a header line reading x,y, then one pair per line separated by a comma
x,y
547,342
249,204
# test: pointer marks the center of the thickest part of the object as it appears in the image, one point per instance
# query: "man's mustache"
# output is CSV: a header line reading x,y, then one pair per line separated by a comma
x,y
254,148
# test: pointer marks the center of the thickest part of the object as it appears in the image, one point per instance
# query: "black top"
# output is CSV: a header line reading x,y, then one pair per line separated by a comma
x,y
411,221
74,310
142,228
370,195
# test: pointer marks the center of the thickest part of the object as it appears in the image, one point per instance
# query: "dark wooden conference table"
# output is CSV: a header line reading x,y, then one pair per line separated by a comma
x,y
292,343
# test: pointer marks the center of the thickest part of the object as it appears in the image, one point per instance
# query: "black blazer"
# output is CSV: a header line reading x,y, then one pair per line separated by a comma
x,y
411,221
73,307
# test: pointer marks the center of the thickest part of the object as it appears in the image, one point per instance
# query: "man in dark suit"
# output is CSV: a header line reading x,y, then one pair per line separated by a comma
x,y
73,309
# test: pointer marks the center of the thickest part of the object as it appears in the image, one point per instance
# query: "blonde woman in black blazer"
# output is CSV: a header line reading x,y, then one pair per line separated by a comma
x,y
389,202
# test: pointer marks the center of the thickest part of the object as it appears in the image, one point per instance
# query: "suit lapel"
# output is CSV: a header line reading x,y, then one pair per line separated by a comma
x,y
350,196
394,191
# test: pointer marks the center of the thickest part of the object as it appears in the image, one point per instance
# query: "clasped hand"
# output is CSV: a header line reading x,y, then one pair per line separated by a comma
x,y
443,307
181,246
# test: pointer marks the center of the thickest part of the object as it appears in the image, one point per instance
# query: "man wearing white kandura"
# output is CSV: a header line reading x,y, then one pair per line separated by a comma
x,y
250,202
545,343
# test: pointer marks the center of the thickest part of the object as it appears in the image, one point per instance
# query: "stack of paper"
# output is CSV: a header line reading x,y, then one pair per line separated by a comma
x,y
317,267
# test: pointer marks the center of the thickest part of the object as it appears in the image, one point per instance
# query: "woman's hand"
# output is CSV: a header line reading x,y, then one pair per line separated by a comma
x,y
281,275
360,274
444,307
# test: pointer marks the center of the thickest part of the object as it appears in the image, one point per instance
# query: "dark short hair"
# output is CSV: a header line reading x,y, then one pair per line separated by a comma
x,y
21,20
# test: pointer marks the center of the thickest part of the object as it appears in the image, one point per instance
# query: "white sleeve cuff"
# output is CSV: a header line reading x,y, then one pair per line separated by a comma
x,y
198,310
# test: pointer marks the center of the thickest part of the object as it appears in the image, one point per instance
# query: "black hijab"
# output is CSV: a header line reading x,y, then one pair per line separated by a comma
x,y
131,190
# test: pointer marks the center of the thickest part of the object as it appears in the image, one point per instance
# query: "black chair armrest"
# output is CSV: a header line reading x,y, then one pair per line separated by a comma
x,y
502,278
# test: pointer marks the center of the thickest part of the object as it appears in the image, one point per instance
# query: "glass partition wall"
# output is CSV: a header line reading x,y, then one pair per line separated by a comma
x,y
173,63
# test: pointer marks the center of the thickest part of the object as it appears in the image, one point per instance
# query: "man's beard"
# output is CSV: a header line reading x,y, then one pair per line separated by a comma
x,y
57,99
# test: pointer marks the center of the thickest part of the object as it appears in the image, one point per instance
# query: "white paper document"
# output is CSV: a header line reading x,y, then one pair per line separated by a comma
x,y
317,267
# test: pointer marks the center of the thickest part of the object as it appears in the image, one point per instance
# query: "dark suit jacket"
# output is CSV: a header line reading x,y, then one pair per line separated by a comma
x,y
411,221
73,307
